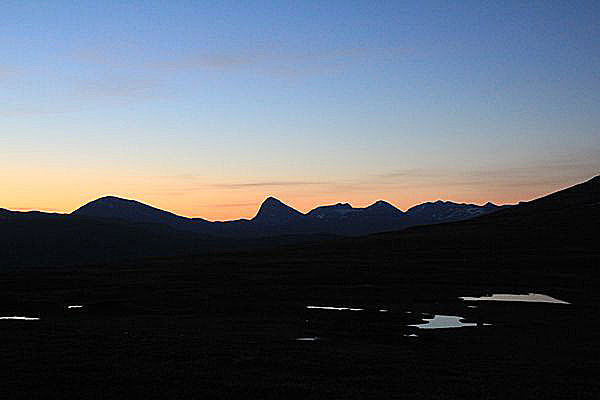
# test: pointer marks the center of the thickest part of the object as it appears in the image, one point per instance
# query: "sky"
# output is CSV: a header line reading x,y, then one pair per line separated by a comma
x,y
207,108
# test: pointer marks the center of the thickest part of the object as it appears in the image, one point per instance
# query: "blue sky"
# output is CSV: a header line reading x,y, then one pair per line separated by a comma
x,y
205,109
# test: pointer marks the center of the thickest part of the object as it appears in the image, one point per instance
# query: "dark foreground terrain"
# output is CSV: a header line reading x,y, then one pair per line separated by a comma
x,y
226,325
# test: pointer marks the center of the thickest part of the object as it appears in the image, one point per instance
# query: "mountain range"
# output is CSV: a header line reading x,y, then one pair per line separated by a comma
x,y
111,228
276,218
206,313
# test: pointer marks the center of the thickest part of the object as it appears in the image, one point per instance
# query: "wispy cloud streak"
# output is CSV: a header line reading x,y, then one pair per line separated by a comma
x,y
122,87
557,171
241,185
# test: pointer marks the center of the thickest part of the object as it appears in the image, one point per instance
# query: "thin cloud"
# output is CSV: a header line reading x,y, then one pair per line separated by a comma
x,y
8,71
318,62
231,205
122,87
402,173
273,60
23,111
559,171
206,61
265,184
120,67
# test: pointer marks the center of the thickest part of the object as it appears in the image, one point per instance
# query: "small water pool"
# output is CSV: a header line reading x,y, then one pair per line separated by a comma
x,y
529,298
444,321
334,308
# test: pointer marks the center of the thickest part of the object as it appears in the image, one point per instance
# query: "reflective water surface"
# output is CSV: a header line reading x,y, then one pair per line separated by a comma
x,y
21,318
335,308
531,298
443,321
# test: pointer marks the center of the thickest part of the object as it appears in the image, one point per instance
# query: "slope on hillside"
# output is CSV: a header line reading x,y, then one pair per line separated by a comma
x,y
30,239
567,218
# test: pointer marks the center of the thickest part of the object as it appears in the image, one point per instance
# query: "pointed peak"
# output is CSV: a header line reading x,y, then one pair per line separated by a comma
x,y
273,211
382,208
272,201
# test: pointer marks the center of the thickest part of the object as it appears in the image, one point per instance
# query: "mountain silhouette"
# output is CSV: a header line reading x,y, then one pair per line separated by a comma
x,y
275,218
133,211
383,209
111,228
333,211
447,211
567,219
274,212
344,210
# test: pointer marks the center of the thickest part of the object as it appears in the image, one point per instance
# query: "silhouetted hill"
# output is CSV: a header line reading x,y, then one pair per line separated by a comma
x,y
565,219
344,210
35,238
134,211
274,218
583,196
44,239
382,209
196,321
333,211
447,211
111,228
274,212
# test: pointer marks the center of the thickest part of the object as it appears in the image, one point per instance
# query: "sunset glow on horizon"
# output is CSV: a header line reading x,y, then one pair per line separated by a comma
x,y
187,196
205,111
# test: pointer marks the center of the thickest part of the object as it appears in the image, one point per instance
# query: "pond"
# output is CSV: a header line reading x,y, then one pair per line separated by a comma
x,y
443,321
529,298
335,308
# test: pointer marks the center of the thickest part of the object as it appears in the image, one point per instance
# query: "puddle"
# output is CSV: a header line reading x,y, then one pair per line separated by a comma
x,y
384,310
530,298
443,321
308,339
21,318
75,306
335,308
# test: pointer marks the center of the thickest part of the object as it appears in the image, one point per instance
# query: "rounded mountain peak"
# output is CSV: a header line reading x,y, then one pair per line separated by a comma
x,y
381,204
